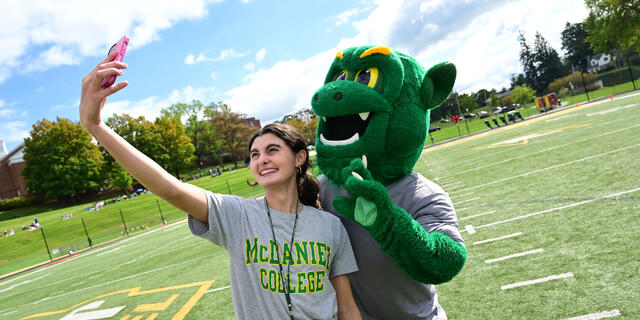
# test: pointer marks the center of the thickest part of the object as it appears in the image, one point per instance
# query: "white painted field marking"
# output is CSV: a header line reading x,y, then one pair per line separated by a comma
x,y
463,195
76,284
536,281
478,215
498,238
612,110
23,283
450,184
43,299
454,188
573,142
556,209
599,315
515,255
553,167
29,274
7,313
116,249
470,229
493,154
218,289
178,224
467,200
121,279
467,208
560,117
132,261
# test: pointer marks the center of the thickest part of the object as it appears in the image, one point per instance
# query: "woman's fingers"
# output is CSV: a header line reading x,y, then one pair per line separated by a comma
x,y
110,57
113,64
103,73
115,88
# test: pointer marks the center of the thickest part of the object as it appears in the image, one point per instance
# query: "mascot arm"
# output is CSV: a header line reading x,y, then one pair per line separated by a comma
x,y
428,257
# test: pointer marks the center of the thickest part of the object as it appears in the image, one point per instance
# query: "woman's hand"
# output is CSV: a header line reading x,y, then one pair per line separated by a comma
x,y
93,96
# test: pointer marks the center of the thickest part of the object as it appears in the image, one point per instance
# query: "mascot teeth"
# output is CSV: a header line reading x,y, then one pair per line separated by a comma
x,y
353,139
364,115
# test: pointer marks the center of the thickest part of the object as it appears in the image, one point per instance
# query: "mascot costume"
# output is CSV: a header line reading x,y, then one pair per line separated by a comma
x,y
374,109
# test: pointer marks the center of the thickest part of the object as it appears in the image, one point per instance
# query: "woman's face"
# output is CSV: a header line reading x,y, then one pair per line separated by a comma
x,y
272,161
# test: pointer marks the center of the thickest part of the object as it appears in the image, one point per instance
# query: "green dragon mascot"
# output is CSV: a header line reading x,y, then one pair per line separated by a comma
x,y
374,109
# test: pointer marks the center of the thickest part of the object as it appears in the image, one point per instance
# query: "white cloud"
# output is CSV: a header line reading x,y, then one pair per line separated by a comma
x,y
14,131
260,55
250,66
224,54
150,107
69,30
8,113
285,87
214,75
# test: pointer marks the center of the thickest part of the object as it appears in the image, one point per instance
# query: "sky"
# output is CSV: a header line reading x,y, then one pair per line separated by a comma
x,y
264,58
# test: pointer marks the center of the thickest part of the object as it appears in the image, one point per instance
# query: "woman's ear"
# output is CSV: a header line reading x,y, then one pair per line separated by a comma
x,y
301,157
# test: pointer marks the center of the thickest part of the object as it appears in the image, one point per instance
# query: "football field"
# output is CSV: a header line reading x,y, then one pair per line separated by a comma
x,y
549,209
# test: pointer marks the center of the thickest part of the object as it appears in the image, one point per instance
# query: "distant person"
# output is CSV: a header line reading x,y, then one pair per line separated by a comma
x,y
282,249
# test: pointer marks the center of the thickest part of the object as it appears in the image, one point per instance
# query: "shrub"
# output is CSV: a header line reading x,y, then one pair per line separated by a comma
x,y
17,202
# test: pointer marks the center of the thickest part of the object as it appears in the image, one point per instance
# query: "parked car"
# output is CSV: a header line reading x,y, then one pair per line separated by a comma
x,y
497,110
434,129
483,114
508,108
470,116
444,121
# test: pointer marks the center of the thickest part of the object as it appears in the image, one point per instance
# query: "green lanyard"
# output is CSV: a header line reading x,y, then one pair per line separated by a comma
x,y
282,277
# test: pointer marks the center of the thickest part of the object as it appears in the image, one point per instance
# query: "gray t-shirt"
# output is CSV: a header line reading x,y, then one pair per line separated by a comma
x,y
380,288
321,250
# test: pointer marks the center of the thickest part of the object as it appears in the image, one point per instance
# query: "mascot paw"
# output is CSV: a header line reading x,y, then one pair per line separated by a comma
x,y
345,206
365,212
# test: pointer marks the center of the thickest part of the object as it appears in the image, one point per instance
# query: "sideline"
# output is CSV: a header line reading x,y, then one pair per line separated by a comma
x,y
532,119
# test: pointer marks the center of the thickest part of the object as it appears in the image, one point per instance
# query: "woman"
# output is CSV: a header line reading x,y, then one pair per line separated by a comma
x,y
264,237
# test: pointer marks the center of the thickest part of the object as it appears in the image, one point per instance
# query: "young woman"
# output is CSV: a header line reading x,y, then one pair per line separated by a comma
x,y
282,249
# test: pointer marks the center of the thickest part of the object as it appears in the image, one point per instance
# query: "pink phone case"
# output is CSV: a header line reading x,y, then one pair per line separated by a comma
x,y
121,47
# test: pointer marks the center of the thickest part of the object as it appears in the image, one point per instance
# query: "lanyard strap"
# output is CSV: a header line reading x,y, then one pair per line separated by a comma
x,y
282,277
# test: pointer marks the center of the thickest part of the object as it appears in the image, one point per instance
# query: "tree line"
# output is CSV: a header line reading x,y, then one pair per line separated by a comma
x,y
612,26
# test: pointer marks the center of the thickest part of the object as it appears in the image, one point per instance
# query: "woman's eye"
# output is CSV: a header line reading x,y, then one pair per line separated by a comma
x,y
368,77
342,75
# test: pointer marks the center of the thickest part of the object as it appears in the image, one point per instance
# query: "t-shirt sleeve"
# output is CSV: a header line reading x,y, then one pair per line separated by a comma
x,y
224,214
434,210
343,261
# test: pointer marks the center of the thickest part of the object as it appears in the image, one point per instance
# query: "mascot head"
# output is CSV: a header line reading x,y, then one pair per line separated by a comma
x,y
376,102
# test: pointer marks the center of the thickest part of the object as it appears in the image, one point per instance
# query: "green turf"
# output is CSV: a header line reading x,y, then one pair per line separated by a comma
x,y
569,159
26,248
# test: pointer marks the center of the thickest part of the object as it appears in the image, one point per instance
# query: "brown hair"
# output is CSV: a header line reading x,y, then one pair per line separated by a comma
x,y
308,187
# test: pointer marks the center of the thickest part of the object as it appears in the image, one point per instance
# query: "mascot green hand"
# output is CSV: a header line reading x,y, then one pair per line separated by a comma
x,y
374,110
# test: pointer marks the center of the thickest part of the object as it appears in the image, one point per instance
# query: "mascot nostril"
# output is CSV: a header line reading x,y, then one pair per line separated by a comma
x,y
337,96
315,98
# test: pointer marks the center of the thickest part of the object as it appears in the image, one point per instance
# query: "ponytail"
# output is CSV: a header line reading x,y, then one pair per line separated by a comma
x,y
308,189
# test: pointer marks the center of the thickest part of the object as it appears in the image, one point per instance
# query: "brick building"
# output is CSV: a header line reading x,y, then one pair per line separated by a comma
x,y
251,122
11,165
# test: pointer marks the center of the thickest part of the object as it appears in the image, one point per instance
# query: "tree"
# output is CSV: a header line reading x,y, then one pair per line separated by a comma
x,y
541,64
467,102
142,135
305,121
231,132
518,80
176,144
613,24
573,81
481,97
523,94
574,43
199,130
61,161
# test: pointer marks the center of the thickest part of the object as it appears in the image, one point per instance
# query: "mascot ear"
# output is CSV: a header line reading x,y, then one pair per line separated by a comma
x,y
437,84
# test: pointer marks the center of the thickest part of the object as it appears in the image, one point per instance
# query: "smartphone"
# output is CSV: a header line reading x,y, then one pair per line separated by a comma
x,y
121,48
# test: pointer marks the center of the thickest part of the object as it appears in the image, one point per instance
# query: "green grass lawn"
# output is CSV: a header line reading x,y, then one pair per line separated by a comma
x,y
564,184
26,248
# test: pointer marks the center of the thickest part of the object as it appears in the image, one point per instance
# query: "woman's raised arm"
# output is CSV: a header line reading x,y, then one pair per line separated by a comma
x,y
184,196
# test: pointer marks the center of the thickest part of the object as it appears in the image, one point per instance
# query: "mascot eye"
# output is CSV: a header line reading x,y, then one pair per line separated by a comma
x,y
342,75
367,77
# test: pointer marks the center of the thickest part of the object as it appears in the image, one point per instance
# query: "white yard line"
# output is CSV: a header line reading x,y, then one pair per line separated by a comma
x,y
463,195
453,188
29,274
467,200
557,208
498,238
599,315
536,281
515,255
218,289
614,109
553,167
545,150
451,184
478,215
